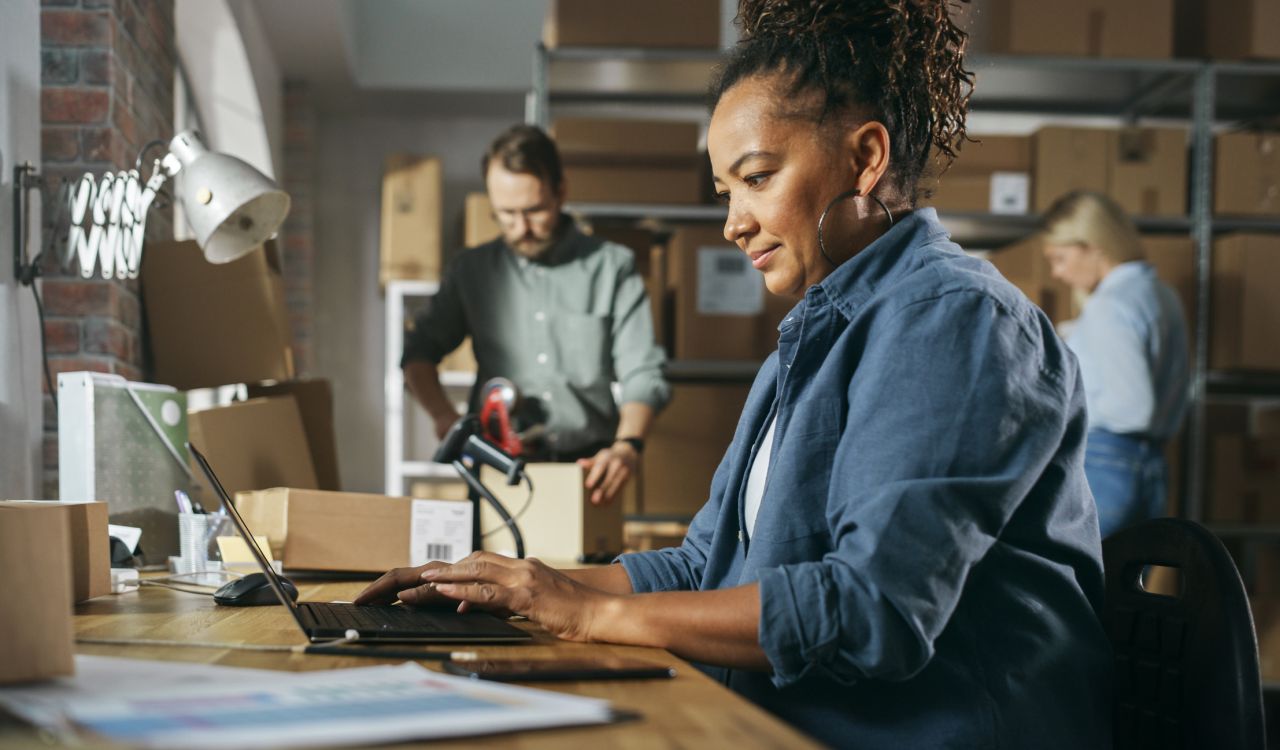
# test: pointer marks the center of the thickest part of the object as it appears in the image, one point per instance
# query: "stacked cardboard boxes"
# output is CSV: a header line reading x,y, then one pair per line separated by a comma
x,y
685,446
1143,169
1245,308
680,24
1246,179
1228,29
629,161
1244,463
411,241
1092,28
991,174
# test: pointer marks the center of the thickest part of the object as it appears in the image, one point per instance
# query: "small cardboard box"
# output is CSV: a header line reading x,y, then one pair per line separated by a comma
x,y
1147,171
1246,174
722,310
1068,159
479,225
686,24
992,153
36,636
412,195
676,182
349,531
688,440
1094,28
1245,307
90,544
315,404
997,193
215,324
559,523
1228,29
621,140
254,445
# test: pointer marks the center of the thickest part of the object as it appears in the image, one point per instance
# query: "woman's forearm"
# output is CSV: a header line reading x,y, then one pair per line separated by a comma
x,y
612,579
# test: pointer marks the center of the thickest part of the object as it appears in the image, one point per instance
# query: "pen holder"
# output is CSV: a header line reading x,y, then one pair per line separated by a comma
x,y
193,531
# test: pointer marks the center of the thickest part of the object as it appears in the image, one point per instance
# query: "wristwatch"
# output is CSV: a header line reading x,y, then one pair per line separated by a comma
x,y
634,442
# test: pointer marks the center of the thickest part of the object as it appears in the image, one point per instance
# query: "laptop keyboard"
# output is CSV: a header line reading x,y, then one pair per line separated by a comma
x,y
344,616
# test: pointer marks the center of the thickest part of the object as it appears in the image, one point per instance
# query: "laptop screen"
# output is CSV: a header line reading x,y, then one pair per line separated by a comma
x,y
243,528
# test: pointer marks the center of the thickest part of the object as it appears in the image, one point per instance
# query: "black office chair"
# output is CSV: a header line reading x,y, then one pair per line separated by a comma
x,y
1186,664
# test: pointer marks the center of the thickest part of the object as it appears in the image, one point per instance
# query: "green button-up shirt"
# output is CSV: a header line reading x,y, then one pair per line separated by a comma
x,y
563,328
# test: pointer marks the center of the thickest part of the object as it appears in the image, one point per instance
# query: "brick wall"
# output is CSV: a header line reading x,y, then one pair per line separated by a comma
x,y
107,70
298,235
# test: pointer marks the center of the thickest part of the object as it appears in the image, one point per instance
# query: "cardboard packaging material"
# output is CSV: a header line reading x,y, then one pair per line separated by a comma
x,y
349,531
559,523
686,24
612,139
89,540
479,225
315,404
36,636
1228,29
1094,28
592,182
1147,171
410,242
688,440
215,324
997,193
1245,308
1068,159
1246,174
722,310
254,445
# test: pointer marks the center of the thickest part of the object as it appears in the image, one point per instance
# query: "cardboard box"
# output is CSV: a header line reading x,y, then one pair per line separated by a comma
x,y
592,182
622,140
1246,174
1147,171
215,324
90,544
1095,28
997,193
1245,309
315,404
411,226
1068,159
1228,29
688,440
559,523
721,308
36,636
686,24
349,531
479,224
992,153
254,445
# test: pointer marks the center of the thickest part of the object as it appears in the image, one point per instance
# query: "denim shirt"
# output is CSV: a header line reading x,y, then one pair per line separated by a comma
x,y
926,548
1131,341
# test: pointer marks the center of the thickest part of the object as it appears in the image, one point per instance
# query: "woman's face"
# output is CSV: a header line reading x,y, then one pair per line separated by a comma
x,y
1077,265
777,174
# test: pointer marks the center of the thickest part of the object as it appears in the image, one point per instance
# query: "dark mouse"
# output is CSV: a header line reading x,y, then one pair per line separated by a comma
x,y
252,590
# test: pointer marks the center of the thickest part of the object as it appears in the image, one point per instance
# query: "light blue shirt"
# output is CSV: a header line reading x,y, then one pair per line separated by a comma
x,y
1131,342
926,547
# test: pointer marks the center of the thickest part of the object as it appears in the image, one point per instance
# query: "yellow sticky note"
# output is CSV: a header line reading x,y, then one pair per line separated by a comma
x,y
235,551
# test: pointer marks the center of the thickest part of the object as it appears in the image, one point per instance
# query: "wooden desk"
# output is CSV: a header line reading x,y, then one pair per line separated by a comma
x,y
691,710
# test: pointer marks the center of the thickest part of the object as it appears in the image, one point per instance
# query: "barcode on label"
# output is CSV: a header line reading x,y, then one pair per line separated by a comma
x,y
440,552
731,264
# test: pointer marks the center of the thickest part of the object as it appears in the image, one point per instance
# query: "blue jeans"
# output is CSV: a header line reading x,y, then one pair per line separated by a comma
x,y
1128,477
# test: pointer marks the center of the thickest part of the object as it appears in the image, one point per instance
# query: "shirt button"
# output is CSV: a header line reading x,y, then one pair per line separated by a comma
x,y
742,537
539,316
542,358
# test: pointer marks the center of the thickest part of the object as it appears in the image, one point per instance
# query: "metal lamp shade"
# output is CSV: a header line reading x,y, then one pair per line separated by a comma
x,y
232,207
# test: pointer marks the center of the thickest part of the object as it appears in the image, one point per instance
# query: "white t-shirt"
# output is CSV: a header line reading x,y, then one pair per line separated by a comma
x,y
756,478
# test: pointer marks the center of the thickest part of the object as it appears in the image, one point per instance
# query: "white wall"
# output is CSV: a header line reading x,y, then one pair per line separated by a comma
x,y
349,325
20,402
235,82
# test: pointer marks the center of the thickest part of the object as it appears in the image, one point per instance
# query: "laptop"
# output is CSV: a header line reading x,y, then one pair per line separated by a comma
x,y
323,621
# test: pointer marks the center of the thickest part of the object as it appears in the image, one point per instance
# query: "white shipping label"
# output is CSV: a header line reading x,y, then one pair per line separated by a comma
x,y
1010,192
439,530
727,283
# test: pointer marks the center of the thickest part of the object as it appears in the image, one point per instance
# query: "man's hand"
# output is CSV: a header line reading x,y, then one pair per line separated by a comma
x,y
483,580
386,589
608,471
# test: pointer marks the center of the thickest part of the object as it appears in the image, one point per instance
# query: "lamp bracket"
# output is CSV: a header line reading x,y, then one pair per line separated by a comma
x,y
25,179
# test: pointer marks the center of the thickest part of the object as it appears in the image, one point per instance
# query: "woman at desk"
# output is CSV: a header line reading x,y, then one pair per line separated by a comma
x,y
1131,342
899,547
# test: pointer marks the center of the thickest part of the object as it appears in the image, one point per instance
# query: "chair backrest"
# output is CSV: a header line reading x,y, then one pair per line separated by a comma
x,y
1186,664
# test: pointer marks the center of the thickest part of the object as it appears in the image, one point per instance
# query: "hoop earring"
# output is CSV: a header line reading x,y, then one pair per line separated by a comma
x,y
822,247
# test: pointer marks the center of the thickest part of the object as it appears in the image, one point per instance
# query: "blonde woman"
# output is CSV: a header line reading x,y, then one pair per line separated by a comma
x,y
1131,341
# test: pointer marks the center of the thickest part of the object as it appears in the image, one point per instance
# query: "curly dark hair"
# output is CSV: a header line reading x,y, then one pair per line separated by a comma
x,y
899,62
